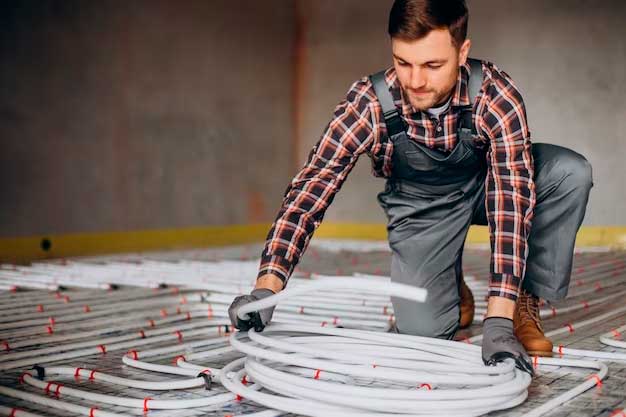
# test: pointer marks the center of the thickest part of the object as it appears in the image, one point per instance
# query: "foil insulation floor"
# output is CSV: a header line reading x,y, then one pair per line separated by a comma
x,y
96,310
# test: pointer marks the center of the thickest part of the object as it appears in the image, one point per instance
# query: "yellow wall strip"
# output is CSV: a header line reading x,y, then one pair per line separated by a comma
x,y
24,249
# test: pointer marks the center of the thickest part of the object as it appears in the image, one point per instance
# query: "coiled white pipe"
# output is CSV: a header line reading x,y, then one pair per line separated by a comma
x,y
610,338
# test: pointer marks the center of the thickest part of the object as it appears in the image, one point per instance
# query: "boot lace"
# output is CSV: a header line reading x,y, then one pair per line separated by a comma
x,y
528,307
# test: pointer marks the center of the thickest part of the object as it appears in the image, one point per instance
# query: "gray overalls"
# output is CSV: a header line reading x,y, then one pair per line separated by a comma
x,y
432,198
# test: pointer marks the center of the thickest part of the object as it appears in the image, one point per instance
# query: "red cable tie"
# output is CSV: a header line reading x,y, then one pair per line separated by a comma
x,y
427,386
92,410
570,327
335,320
92,375
58,295
178,310
52,321
134,354
103,348
20,379
585,304
535,362
40,308
183,300
13,288
553,312
175,360
57,391
392,318
301,310
47,389
145,404
597,378
616,334
151,323
317,374
580,282
77,373
374,365
13,411
385,310
188,315
324,324
49,329
86,308
179,335
66,299
6,345
206,371
561,350
175,290
618,413
142,334
163,312
598,287
466,340
244,380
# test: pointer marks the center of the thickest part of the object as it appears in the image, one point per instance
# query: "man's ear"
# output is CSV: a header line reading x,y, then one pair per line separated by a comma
x,y
464,51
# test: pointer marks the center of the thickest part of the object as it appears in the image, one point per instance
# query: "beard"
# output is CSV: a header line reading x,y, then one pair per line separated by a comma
x,y
427,99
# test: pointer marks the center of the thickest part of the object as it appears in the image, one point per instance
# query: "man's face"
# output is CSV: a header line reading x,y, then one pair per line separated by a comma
x,y
428,68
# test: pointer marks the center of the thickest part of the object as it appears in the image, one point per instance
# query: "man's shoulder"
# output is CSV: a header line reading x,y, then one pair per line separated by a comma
x,y
495,79
362,90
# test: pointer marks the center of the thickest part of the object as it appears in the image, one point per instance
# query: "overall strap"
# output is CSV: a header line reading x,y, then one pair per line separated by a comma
x,y
466,127
393,120
392,117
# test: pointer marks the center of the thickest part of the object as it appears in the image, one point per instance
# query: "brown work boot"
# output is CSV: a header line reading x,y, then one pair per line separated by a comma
x,y
467,305
527,326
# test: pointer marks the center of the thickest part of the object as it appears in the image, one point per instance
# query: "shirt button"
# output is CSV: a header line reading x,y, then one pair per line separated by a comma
x,y
439,128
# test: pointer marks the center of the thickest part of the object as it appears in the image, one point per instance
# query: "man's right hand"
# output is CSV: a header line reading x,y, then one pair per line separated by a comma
x,y
256,319
500,343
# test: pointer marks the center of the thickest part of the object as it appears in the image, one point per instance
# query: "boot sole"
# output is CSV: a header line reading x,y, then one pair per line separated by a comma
x,y
539,353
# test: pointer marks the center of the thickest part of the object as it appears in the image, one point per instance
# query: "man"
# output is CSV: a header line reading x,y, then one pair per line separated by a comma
x,y
451,137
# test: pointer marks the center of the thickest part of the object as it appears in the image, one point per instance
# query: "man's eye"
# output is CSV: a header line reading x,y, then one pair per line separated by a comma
x,y
434,66
403,64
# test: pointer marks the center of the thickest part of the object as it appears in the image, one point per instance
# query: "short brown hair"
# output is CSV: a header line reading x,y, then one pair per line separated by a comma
x,y
414,19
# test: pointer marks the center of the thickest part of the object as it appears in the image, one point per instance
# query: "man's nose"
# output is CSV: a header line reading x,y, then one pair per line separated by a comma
x,y
418,80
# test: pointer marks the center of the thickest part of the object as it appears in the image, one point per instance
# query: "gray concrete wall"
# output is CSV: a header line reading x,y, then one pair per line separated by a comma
x,y
567,57
123,115
118,115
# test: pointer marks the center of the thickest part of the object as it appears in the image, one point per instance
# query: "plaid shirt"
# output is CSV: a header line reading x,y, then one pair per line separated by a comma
x,y
357,128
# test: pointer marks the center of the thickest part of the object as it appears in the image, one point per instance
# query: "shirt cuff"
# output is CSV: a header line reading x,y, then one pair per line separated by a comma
x,y
277,265
505,285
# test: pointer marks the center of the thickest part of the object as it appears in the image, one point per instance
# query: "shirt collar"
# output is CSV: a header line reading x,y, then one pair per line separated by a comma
x,y
460,97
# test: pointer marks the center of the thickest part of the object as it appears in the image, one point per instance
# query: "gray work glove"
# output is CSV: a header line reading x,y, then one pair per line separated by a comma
x,y
257,319
499,343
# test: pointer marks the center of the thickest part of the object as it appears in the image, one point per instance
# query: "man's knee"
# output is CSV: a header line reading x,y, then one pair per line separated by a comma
x,y
578,170
569,168
425,325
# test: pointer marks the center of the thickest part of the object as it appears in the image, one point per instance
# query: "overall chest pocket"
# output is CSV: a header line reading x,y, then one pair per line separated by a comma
x,y
421,158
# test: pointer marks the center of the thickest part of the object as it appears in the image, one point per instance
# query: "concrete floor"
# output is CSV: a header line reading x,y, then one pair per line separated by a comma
x,y
601,270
